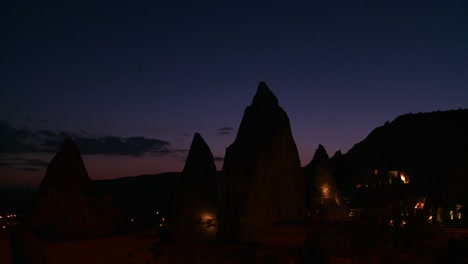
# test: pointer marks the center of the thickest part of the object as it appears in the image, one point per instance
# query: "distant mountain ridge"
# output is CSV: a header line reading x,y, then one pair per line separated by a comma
x,y
431,147
416,130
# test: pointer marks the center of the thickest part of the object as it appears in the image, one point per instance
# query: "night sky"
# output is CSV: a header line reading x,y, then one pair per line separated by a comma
x,y
132,81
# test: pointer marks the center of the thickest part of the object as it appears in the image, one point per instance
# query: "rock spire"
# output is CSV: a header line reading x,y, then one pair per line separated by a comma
x,y
67,208
322,195
197,195
261,182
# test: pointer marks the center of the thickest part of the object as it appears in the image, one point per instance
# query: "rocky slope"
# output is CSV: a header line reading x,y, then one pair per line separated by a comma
x,y
427,150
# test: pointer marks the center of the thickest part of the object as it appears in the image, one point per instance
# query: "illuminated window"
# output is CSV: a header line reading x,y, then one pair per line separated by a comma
x,y
404,178
419,206
459,213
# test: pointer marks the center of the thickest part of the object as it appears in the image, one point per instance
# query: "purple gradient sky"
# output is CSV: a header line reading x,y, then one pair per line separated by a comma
x,y
168,69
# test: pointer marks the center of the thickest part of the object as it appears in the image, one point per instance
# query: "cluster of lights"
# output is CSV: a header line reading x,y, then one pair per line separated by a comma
x,y
163,220
456,214
8,216
392,222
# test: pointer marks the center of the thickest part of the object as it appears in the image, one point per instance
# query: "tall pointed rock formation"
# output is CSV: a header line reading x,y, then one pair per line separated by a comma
x,y
200,168
261,181
67,207
322,195
197,195
66,172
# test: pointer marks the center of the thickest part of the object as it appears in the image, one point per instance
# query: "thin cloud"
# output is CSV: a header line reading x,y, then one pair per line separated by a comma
x,y
13,140
28,169
180,151
225,130
32,162
23,164
4,164
110,145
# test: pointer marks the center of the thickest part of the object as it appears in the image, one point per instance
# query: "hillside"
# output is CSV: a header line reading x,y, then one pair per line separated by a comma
x,y
142,195
430,148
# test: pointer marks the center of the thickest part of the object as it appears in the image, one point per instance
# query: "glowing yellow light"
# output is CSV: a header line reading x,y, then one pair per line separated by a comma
x,y
430,219
459,207
325,191
403,178
451,214
208,221
419,205
337,201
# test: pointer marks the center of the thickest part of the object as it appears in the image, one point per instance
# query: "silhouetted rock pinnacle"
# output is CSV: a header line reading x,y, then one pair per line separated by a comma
x,y
67,207
264,97
196,198
320,156
261,177
322,195
66,172
200,167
